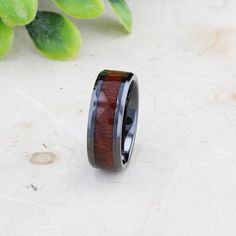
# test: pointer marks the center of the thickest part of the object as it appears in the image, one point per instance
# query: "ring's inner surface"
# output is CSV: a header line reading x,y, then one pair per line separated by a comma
x,y
129,122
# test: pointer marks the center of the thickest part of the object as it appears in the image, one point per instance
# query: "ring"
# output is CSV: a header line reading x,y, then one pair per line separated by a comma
x,y
112,121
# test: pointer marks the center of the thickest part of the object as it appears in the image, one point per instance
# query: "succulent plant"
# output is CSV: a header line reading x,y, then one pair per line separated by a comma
x,y
54,35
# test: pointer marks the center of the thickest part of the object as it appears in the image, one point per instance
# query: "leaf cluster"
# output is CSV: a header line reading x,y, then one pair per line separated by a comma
x,y
53,34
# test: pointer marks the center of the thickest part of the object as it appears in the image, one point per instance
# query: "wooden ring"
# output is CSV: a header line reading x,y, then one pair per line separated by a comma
x,y
112,122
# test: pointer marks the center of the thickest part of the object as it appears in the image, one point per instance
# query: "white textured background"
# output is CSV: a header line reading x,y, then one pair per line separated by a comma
x,y
182,178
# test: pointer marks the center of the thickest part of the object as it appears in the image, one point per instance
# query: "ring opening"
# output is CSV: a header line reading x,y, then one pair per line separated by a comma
x,y
129,122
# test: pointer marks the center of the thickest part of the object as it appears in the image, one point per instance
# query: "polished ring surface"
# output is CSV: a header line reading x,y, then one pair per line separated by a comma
x,y
112,121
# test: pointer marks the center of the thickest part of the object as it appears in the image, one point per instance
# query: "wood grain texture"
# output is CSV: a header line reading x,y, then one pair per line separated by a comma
x,y
105,118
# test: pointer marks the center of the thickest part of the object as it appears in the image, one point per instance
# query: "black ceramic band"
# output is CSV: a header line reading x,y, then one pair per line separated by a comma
x,y
112,122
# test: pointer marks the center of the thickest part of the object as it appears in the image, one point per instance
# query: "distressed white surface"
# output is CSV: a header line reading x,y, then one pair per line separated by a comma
x,y
182,179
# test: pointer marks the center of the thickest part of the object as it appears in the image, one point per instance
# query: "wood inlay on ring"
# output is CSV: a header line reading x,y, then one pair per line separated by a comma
x,y
104,122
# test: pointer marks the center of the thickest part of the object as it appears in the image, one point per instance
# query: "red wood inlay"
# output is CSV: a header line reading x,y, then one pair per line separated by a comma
x,y
103,137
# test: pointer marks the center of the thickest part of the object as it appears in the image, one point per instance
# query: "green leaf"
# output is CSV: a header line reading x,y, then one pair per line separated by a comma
x,y
81,8
123,13
18,12
55,36
6,38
